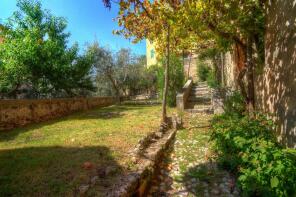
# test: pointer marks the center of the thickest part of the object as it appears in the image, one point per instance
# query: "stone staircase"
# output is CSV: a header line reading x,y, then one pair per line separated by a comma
x,y
200,99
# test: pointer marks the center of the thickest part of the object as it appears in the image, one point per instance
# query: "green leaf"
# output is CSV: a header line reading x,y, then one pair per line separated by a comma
x,y
274,182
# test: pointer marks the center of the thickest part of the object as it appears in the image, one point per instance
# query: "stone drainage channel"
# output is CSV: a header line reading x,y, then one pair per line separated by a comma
x,y
188,168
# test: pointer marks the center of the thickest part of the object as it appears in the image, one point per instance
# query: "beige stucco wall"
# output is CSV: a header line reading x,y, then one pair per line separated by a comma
x,y
150,53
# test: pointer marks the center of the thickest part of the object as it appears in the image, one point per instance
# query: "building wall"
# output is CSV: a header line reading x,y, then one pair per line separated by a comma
x,y
16,113
276,84
190,67
150,53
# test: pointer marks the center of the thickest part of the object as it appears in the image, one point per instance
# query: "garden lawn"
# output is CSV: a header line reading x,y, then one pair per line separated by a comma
x,y
54,158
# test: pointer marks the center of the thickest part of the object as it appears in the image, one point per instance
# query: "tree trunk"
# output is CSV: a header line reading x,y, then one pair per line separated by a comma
x,y
241,84
222,69
250,76
115,87
247,90
189,65
166,79
241,67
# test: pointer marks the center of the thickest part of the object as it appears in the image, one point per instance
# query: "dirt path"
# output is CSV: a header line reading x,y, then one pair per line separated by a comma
x,y
189,169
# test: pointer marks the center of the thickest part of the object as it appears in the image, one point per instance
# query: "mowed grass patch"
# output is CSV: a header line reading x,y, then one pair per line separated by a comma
x,y
54,158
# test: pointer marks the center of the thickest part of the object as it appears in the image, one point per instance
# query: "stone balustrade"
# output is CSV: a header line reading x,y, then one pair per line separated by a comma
x,y
183,95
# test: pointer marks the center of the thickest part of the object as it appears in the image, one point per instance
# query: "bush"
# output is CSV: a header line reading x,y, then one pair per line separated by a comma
x,y
206,73
246,146
234,104
203,71
211,80
176,79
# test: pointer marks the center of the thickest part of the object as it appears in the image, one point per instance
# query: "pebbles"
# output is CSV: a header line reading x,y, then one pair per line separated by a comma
x,y
190,171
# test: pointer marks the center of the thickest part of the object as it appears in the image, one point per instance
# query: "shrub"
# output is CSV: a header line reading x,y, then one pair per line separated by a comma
x,y
203,71
234,104
246,146
211,80
176,79
206,73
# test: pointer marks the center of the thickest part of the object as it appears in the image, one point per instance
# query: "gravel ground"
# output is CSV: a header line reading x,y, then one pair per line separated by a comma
x,y
189,168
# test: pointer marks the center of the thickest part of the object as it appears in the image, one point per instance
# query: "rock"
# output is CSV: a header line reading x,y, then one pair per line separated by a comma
x,y
215,191
83,189
204,184
109,170
134,159
182,193
158,135
206,193
162,188
236,192
222,185
161,177
88,165
94,180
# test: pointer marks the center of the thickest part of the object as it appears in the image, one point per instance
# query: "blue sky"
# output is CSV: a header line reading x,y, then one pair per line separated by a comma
x,y
87,20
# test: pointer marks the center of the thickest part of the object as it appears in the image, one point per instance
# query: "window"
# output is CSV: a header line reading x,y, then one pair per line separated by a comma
x,y
152,53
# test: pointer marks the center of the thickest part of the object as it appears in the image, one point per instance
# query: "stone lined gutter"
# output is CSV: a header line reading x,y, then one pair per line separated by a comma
x,y
147,155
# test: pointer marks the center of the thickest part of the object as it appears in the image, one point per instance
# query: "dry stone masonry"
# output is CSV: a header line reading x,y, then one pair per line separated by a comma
x,y
16,113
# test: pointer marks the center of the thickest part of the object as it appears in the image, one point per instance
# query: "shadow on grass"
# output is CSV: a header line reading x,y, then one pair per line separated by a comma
x,y
55,171
105,113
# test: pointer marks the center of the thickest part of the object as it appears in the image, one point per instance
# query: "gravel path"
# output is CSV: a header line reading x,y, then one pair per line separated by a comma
x,y
189,169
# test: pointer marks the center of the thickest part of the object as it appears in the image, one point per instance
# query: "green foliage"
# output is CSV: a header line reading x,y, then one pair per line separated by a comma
x,y
177,78
234,104
211,80
246,145
122,73
34,54
203,71
206,73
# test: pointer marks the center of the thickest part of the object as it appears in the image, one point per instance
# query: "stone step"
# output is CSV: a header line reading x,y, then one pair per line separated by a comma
x,y
200,89
199,93
199,99
206,110
202,82
200,106
197,105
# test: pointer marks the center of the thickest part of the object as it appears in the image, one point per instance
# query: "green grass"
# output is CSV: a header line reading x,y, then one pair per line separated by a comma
x,y
47,159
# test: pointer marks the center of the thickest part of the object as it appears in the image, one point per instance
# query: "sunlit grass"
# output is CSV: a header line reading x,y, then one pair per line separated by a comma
x,y
47,159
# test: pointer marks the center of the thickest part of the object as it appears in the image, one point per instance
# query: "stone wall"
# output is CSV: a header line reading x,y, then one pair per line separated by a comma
x,y
276,82
16,113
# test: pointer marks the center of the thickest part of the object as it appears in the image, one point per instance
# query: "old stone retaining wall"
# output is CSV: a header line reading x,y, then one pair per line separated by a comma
x,y
16,113
275,84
